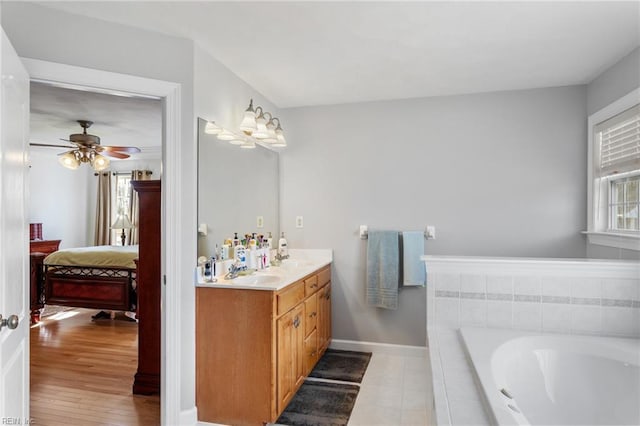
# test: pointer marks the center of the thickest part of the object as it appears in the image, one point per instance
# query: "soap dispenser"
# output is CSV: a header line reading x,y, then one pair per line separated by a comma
x,y
283,251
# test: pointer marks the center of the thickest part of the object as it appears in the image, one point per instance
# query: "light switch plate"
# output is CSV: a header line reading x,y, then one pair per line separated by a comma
x,y
260,222
431,232
299,222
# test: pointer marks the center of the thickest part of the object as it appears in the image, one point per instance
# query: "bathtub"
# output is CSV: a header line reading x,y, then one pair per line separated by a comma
x,y
553,379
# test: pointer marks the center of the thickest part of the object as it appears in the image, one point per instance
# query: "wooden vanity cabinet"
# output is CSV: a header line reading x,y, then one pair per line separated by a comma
x,y
254,348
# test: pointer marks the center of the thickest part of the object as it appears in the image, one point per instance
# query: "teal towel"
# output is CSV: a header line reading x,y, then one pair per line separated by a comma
x,y
383,269
412,266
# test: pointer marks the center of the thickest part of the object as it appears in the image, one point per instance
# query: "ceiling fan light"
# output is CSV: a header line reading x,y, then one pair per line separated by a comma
x,y
99,162
212,128
226,135
69,160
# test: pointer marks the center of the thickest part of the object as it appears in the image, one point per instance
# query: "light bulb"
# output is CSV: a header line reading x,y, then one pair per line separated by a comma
x,y
69,160
100,162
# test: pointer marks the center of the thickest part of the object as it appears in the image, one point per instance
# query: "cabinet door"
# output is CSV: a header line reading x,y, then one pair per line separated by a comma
x,y
310,351
324,318
298,345
310,314
291,371
285,360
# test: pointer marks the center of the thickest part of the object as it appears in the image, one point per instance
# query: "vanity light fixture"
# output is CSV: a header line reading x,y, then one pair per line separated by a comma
x,y
257,125
212,128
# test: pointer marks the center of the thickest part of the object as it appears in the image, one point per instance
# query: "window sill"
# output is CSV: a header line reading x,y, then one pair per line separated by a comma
x,y
612,239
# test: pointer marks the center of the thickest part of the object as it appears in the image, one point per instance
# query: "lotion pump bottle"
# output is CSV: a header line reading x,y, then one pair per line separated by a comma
x,y
282,246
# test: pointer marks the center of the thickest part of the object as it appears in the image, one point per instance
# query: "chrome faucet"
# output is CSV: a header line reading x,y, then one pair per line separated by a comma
x,y
279,257
234,269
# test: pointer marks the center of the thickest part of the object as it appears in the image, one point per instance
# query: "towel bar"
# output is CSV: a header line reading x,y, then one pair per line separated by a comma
x,y
429,232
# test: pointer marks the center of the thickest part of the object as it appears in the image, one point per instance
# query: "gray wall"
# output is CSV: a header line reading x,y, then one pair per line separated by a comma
x,y
614,83
498,174
42,33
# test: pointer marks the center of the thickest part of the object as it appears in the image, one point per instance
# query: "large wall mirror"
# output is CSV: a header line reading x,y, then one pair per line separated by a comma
x,y
235,187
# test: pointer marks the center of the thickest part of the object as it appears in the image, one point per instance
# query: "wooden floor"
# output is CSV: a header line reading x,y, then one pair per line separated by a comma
x,y
82,372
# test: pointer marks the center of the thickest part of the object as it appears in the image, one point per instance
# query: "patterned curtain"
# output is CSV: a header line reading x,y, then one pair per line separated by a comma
x,y
102,234
133,210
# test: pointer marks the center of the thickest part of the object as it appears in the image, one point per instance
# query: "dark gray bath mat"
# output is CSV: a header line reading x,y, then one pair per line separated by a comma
x,y
346,366
320,404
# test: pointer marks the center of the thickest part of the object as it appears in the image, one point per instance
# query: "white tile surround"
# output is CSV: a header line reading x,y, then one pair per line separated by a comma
x,y
572,296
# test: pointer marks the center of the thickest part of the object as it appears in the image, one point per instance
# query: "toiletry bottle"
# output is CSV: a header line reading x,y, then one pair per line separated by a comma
x,y
282,246
269,241
240,255
207,271
236,241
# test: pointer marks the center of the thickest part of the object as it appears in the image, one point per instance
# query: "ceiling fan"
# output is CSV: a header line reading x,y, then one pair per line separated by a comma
x,y
89,150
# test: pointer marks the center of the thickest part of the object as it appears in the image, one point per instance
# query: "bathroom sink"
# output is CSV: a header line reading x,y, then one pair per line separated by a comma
x,y
256,279
293,263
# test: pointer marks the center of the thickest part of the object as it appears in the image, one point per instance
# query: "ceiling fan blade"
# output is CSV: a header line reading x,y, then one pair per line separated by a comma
x,y
131,149
115,154
50,145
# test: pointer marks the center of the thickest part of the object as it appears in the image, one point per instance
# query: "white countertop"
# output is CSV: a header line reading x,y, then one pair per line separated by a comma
x,y
301,263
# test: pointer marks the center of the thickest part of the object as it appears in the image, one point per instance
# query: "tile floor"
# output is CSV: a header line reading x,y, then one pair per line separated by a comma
x,y
395,391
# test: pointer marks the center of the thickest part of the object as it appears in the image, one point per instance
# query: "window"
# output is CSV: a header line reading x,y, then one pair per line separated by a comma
x,y
614,175
121,202
623,205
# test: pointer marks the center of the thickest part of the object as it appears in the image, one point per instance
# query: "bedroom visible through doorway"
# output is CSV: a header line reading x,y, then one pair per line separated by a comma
x,y
66,202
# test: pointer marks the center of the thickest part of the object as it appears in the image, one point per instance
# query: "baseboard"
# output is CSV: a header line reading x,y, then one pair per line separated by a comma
x,y
189,417
381,348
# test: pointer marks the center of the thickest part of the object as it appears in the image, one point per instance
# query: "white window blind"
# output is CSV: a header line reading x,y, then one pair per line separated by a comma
x,y
619,139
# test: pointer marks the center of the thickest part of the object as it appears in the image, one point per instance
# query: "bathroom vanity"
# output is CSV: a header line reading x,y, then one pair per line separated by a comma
x,y
259,336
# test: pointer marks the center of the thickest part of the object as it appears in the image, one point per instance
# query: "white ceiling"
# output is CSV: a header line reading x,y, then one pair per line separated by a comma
x,y
312,53
117,120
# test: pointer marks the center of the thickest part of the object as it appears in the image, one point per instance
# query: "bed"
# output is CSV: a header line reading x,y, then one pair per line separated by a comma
x,y
99,277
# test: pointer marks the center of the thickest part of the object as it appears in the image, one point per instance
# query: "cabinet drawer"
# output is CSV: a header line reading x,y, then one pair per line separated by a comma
x,y
290,297
324,276
310,314
310,285
310,352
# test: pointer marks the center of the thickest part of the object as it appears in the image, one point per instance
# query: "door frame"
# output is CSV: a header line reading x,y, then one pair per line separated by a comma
x,y
171,95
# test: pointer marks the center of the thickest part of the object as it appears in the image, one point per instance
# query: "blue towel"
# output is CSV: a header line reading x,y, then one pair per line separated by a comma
x,y
383,269
413,267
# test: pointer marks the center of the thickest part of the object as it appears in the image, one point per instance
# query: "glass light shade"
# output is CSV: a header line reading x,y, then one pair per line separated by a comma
x,y
248,122
238,141
279,144
69,160
261,131
100,162
226,135
248,145
212,128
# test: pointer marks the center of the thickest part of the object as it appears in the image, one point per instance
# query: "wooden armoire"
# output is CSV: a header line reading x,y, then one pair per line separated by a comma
x,y
148,280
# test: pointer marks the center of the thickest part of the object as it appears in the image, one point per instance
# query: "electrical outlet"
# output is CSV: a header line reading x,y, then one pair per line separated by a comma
x,y
299,223
260,222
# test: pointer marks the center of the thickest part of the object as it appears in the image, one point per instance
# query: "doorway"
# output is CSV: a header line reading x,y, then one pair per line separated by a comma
x,y
73,350
170,93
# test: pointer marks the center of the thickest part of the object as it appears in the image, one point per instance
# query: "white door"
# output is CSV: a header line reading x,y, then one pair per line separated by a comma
x,y
14,267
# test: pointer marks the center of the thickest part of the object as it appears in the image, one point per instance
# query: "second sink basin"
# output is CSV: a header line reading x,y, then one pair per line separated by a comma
x,y
293,263
256,279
